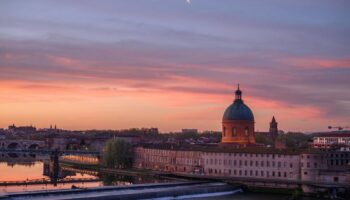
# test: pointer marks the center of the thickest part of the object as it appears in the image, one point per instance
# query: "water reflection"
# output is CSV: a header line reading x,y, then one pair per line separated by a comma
x,y
24,172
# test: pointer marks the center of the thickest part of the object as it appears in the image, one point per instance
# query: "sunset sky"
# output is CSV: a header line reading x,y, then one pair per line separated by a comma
x,y
174,64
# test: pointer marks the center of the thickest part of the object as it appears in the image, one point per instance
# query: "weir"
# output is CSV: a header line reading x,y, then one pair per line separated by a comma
x,y
141,191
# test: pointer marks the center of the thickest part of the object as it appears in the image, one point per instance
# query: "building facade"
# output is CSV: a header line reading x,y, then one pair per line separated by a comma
x,y
331,139
168,160
252,165
331,167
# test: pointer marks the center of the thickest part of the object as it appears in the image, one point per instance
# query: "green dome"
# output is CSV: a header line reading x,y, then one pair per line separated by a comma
x,y
238,111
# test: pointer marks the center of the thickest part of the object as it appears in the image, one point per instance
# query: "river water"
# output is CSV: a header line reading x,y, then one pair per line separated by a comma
x,y
31,168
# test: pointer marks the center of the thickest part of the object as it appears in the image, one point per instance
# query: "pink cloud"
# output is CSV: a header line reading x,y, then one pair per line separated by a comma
x,y
315,63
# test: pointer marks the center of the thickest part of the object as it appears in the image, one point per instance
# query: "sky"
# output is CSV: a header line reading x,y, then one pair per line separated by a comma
x,y
174,64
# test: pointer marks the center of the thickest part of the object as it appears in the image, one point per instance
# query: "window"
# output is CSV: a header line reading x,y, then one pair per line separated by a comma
x,y
335,179
234,131
246,131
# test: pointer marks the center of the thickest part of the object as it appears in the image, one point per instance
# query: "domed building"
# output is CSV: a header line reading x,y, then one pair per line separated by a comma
x,y
238,123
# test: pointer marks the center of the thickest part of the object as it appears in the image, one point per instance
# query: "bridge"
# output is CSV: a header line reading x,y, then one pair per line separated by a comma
x,y
22,144
48,152
48,181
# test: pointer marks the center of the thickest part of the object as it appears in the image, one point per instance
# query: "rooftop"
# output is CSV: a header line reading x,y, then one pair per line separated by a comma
x,y
216,148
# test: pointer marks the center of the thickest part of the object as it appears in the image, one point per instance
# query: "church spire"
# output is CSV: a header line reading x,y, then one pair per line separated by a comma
x,y
273,119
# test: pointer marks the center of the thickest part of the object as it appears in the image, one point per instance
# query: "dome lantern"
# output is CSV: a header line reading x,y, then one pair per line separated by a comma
x,y
238,94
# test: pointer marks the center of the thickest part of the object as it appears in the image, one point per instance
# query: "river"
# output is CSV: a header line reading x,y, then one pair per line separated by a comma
x,y
30,168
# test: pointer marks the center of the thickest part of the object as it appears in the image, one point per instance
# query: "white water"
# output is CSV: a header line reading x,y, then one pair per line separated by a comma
x,y
215,194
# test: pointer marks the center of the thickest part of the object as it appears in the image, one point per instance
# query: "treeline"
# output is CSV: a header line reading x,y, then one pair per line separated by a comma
x,y
291,139
118,154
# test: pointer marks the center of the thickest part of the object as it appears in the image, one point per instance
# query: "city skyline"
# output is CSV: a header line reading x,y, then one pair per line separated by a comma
x,y
173,64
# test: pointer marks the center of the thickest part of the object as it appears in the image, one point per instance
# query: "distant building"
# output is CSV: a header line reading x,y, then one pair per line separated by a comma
x,y
330,139
189,130
238,123
150,130
21,129
2,136
273,132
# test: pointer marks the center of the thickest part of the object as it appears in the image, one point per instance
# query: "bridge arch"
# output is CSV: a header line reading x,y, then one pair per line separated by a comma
x,y
13,145
33,146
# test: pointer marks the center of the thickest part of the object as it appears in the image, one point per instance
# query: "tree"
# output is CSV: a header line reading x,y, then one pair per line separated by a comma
x,y
118,154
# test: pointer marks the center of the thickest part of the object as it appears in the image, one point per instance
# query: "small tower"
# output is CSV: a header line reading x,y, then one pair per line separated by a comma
x,y
273,128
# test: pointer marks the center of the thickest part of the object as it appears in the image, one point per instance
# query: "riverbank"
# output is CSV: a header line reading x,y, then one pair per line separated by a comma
x,y
127,172
293,190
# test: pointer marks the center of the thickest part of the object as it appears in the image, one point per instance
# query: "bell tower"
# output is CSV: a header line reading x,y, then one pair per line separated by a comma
x,y
273,128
